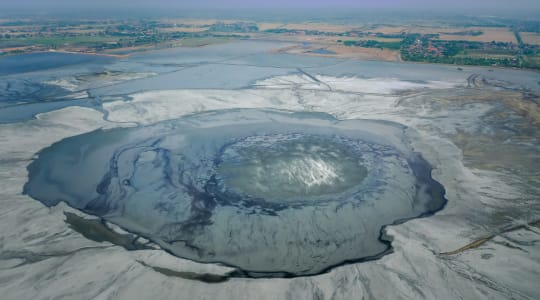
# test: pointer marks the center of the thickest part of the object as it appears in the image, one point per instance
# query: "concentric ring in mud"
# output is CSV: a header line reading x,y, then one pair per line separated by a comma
x,y
271,193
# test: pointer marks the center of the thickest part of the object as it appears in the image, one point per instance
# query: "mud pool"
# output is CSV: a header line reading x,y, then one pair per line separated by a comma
x,y
272,193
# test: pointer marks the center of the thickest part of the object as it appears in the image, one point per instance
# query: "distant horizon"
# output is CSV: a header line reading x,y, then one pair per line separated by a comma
x,y
260,14
515,8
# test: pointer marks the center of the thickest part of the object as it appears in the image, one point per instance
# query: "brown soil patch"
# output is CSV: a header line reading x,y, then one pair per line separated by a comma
x,y
532,38
319,27
343,52
389,29
11,49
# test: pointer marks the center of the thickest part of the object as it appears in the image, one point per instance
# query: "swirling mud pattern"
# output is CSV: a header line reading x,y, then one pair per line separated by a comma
x,y
271,193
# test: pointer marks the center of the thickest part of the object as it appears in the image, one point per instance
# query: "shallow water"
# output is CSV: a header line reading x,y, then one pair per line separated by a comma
x,y
26,76
45,61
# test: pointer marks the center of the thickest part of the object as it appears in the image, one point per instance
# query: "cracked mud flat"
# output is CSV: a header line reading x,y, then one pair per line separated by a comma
x,y
476,135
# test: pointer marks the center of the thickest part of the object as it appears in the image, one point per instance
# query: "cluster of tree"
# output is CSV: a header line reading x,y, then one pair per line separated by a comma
x,y
416,47
373,44
234,27
526,26
302,31
466,60
467,33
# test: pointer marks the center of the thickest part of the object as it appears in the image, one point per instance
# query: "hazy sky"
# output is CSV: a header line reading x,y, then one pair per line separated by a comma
x,y
487,6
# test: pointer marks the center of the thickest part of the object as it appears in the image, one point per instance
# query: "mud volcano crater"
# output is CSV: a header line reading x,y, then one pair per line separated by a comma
x,y
271,193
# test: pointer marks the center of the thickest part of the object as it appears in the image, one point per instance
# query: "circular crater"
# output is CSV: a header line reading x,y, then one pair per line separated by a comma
x,y
271,193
